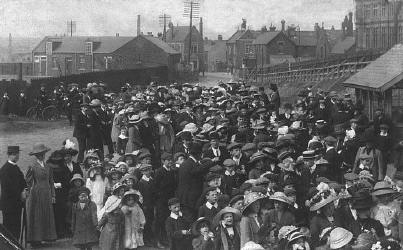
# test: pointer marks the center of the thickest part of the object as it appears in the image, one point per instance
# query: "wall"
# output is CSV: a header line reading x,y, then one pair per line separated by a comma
x,y
375,24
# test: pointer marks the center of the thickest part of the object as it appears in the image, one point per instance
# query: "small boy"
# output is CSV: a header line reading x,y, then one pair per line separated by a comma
x,y
177,227
147,189
179,158
210,208
231,179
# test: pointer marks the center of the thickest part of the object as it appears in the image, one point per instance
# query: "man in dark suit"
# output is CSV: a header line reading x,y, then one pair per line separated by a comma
x,y
215,150
13,192
286,117
190,183
184,145
332,157
81,131
106,127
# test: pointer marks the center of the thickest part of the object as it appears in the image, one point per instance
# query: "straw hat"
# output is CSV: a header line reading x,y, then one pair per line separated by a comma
x,y
280,196
250,245
131,192
77,177
287,164
339,237
38,149
257,156
218,217
112,203
383,187
293,236
364,241
134,119
95,103
251,198
117,186
324,196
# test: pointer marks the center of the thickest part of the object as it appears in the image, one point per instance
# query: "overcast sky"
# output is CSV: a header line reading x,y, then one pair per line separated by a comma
x,y
37,18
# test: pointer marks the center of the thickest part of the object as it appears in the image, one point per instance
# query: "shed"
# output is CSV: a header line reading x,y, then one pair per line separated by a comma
x,y
380,85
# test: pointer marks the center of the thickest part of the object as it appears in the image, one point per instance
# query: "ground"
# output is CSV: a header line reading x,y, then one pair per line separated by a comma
x,y
25,134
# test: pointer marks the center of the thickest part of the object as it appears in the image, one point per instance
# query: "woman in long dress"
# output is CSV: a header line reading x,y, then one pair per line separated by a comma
x,y
40,216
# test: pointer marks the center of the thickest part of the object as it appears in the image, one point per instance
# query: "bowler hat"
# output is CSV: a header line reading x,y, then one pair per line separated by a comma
x,y
38,149
13,150
196,225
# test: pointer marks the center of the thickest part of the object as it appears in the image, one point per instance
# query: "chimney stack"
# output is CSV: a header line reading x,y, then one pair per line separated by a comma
x,y
201,26
10,46
219,37
138,25
283,25
117,34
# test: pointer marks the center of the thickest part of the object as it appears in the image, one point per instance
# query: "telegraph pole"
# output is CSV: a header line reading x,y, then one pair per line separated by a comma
x,y
163,20
192,10
71,27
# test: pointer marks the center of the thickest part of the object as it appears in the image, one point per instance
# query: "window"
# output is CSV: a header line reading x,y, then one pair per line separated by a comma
x,y
375,10
249,49
397,105
367,10
81,62
49,48
88,48
195,48
384,38
367,38
383,10
400,33
375,38
54,63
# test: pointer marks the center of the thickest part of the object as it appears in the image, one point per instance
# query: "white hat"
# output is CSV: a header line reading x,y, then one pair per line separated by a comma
x,y
112,203
250,245
339,237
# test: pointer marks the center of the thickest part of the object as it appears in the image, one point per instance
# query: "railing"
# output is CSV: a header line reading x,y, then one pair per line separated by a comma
x,y
313,74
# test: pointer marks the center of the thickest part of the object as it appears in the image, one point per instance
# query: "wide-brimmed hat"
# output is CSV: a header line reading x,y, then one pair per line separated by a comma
x,y
233,145
95,103
235,213
339,237
382,188
361,199
250,245
190,127
117,186
251,198
129,193
287,164
112,203
77,177
323,197
196,225
134,119
280,196
38,149
293,236
13,149
364,241
257,156
112,171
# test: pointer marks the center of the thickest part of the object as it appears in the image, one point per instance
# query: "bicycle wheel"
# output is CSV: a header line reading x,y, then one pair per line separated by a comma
x,y
50,113
32,113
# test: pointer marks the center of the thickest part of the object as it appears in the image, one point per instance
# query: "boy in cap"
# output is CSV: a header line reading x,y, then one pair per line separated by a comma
x,y
210,208
231,179
177,227
147,189
216,152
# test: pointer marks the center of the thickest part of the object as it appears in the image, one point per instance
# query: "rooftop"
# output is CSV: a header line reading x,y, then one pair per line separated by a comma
x,y
161,44
342,46
266,37
380,74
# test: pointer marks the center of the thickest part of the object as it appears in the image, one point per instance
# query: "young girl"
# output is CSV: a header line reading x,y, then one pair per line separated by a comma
x,y
84,221
134,220
77,182
112,225
204,237
113,176
122,140
97,186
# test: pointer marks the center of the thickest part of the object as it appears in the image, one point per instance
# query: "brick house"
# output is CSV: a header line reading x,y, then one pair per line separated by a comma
x,y
240,50
59,56
273,47
178,38
216,54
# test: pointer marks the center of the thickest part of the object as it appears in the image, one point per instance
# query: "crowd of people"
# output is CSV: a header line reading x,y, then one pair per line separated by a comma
x,y
228,167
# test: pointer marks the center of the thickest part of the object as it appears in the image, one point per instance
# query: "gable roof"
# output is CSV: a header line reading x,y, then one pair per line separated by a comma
x,y
305,38
380,74
239,34
76,44
178,33
266,37
342,46
160,44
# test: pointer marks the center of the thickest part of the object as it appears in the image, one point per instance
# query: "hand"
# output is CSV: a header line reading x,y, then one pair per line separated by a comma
x,y
184,232
216,159
24,195
53,200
